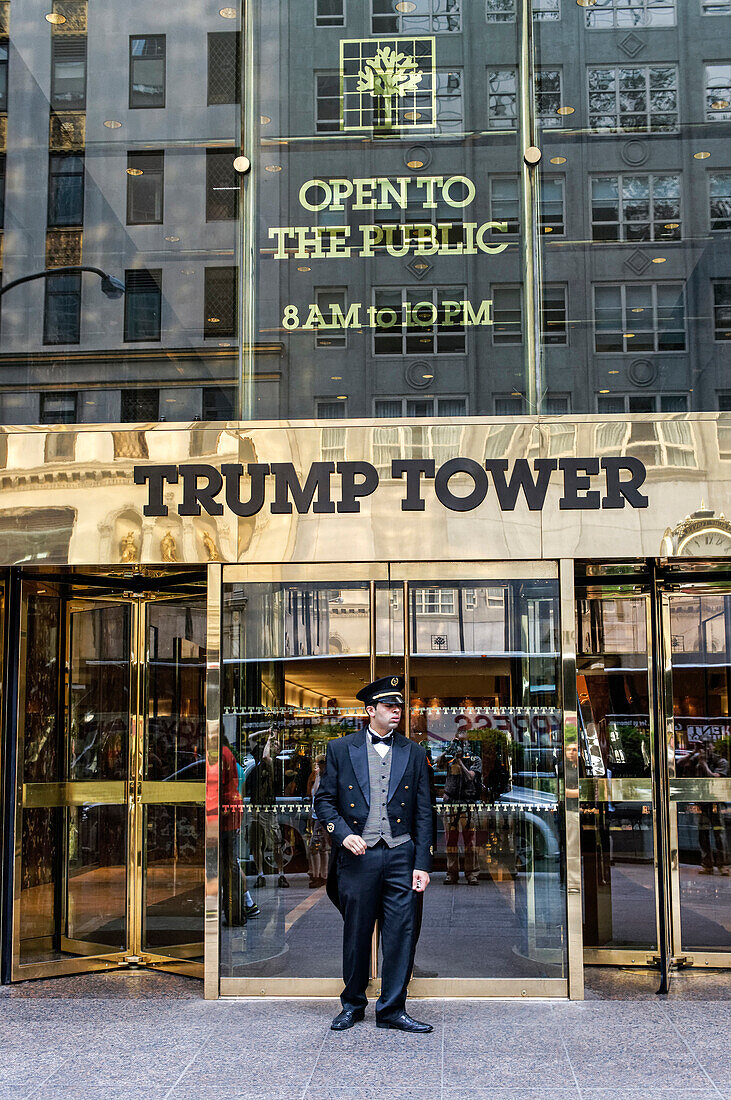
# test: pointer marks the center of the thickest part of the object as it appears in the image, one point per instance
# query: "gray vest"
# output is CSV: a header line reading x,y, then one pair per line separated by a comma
x,y
377,826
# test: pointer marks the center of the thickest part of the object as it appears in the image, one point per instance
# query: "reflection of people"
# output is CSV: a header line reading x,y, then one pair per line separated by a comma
x,y
264,832
318,848
462,788
705,763
374,802
231,813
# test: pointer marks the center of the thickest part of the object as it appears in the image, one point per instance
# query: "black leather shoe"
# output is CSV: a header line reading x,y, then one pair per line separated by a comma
x,y
347,1018
404,1022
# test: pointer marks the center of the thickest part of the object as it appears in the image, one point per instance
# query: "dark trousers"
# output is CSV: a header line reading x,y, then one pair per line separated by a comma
x,y
377,886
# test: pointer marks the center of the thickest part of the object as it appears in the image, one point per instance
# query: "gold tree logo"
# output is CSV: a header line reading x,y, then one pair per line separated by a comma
x,y
388,76
387,84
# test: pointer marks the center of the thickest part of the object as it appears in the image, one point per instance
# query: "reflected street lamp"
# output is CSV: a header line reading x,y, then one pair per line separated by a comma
x,y
111,286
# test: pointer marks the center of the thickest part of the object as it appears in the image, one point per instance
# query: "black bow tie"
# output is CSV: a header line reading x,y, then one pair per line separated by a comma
x,y
387,740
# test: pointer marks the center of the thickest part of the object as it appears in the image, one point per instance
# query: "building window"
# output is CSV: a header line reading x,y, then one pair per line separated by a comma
x,y
722,309
327,108
502,99
635,208
219,403
419,321
718,93
438,441
62,312
434,601
222,186
140,406
326,298
147,71
329,13
416,17
66,190
328,409
661,444
642,403
639,317
220,301
609,14
551,208
719,184
450,101
145,188
2,192
505,202
403,224
142,305
418,407
554,329
224,67
716,7
633,98
507,312
509,406
548,97
504,11
58,408
3,76
68,72
556,404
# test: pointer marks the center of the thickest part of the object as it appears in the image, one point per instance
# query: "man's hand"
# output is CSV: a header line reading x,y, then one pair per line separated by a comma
x,y
419,881
355,844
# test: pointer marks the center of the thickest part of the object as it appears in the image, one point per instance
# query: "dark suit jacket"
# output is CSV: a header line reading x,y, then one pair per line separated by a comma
x,y
343,796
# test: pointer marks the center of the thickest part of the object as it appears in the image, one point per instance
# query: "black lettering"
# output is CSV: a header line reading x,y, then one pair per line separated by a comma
x,y
415,469
195,495
575,481
351,490
233,472
286,482
618,491
521,478
157,476
461,466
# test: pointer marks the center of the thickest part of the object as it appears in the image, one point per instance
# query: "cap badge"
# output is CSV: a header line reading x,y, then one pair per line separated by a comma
x,y
331,828
394,681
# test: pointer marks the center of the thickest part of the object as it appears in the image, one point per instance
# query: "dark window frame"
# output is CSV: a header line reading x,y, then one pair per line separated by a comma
x,y
147,106
52,216
136,275
134,160
212,156
225,275
53,290
59,43
217,36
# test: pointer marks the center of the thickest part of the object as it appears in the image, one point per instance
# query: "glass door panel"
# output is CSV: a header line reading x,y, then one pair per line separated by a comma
x,y
484,700
700,790
615,726
293,657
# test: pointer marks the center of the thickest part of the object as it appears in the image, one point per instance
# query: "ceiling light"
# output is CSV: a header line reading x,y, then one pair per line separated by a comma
x,y
112,124
638,309
304,269
273,168
701,156
586,3
336,377
227,13
224,345
603,391
421,267
719,104
341,399
629,335
264,120
658,259
548,229
405,6
672,225
173,240
134,172
414,163
516,394
55,18
213,320
412,116
613,372
427,376
565,110
558,160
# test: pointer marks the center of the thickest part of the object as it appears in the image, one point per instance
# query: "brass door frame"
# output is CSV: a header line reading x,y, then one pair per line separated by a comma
x,y
396,574
134,792
677,790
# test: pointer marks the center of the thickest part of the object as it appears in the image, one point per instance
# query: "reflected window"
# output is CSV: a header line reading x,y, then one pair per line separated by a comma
x,y
505,201
548,97
331,302
551,207
718,93
62,310
507,312
722,309
504,11
2,190
327,105
415,208
554,329
643,403
59,408
633,98
450,102
607,14
437,601
139,406
219,403
395,407
438,441
145,188
724,427
416,17
509,406
224,67
502,99
68,72
716,7
635,207
639,317
719,184
142,305
419,321
222,186
656,443
66,190
147,71
219,307
3,76
329,13
331,410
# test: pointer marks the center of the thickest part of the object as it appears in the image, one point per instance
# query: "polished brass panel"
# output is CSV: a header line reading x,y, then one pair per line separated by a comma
x,y
616,790
571,808
211,930
467,571
314,573
76,793
161,793
419,987
699,790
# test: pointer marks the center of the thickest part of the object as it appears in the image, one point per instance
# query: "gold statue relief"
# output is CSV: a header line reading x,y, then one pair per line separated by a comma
x,y
209,545
128,548
168,547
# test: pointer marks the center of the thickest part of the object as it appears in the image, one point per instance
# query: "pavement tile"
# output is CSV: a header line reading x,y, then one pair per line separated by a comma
x,y
510,1094
636,1067
393,1068
399,1093
652,1092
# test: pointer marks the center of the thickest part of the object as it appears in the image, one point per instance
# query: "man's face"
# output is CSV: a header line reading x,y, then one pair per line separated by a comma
x,y
385,717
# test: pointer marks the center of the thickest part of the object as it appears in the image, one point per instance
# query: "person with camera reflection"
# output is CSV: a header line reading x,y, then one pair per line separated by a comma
x,y
462,789
703,762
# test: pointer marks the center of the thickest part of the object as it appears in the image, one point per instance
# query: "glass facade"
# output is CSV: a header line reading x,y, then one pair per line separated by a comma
x,y
391,252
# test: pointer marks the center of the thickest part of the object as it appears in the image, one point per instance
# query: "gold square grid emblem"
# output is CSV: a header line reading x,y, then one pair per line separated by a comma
x,y
388,84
